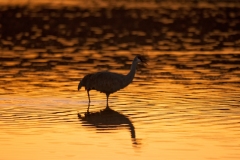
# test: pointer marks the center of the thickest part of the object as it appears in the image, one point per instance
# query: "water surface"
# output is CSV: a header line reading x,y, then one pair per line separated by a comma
x,y
185,104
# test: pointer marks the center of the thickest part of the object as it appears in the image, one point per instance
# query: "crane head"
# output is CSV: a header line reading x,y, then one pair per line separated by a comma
x,y
142,59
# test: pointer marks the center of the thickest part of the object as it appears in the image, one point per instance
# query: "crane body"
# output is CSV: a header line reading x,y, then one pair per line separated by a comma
x,y
109,82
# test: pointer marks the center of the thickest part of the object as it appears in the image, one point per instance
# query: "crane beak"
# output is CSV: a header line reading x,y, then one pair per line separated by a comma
x,y
142,59
145,63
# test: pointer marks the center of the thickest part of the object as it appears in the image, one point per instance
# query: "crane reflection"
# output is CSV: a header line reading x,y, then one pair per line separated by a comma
x,y
108,119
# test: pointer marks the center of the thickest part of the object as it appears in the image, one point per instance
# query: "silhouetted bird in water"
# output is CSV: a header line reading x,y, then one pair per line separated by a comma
x,y
109,82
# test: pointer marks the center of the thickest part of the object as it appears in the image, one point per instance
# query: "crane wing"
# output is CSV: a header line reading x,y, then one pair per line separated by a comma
x,y
107,82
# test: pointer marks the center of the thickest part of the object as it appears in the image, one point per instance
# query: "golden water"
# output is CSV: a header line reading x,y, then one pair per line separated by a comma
x,y
183,105
167,111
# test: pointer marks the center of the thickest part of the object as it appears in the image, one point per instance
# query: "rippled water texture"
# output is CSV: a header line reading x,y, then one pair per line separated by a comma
x,y
185,104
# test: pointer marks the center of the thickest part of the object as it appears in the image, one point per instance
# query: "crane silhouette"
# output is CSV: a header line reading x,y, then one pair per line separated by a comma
x,y
109,82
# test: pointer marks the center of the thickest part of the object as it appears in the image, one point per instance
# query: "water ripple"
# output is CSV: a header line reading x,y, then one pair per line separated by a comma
x,y
185,102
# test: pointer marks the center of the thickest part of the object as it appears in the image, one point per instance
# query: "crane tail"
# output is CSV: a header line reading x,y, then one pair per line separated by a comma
x,y
79,86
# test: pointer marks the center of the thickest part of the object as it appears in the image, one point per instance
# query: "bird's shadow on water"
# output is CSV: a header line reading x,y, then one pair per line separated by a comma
x,y
108,119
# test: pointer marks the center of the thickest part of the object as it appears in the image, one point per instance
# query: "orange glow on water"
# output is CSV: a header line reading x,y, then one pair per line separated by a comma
x,y
172,116
184,104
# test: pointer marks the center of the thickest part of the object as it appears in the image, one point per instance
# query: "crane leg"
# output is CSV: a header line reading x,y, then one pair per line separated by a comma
x,y
107,100
88,97
88,101
88,108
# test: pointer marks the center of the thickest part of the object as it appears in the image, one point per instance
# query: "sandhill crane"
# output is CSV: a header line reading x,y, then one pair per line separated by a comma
x,y
109,82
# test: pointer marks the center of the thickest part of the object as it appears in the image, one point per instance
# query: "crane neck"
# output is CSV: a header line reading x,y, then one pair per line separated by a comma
x,y
129,77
